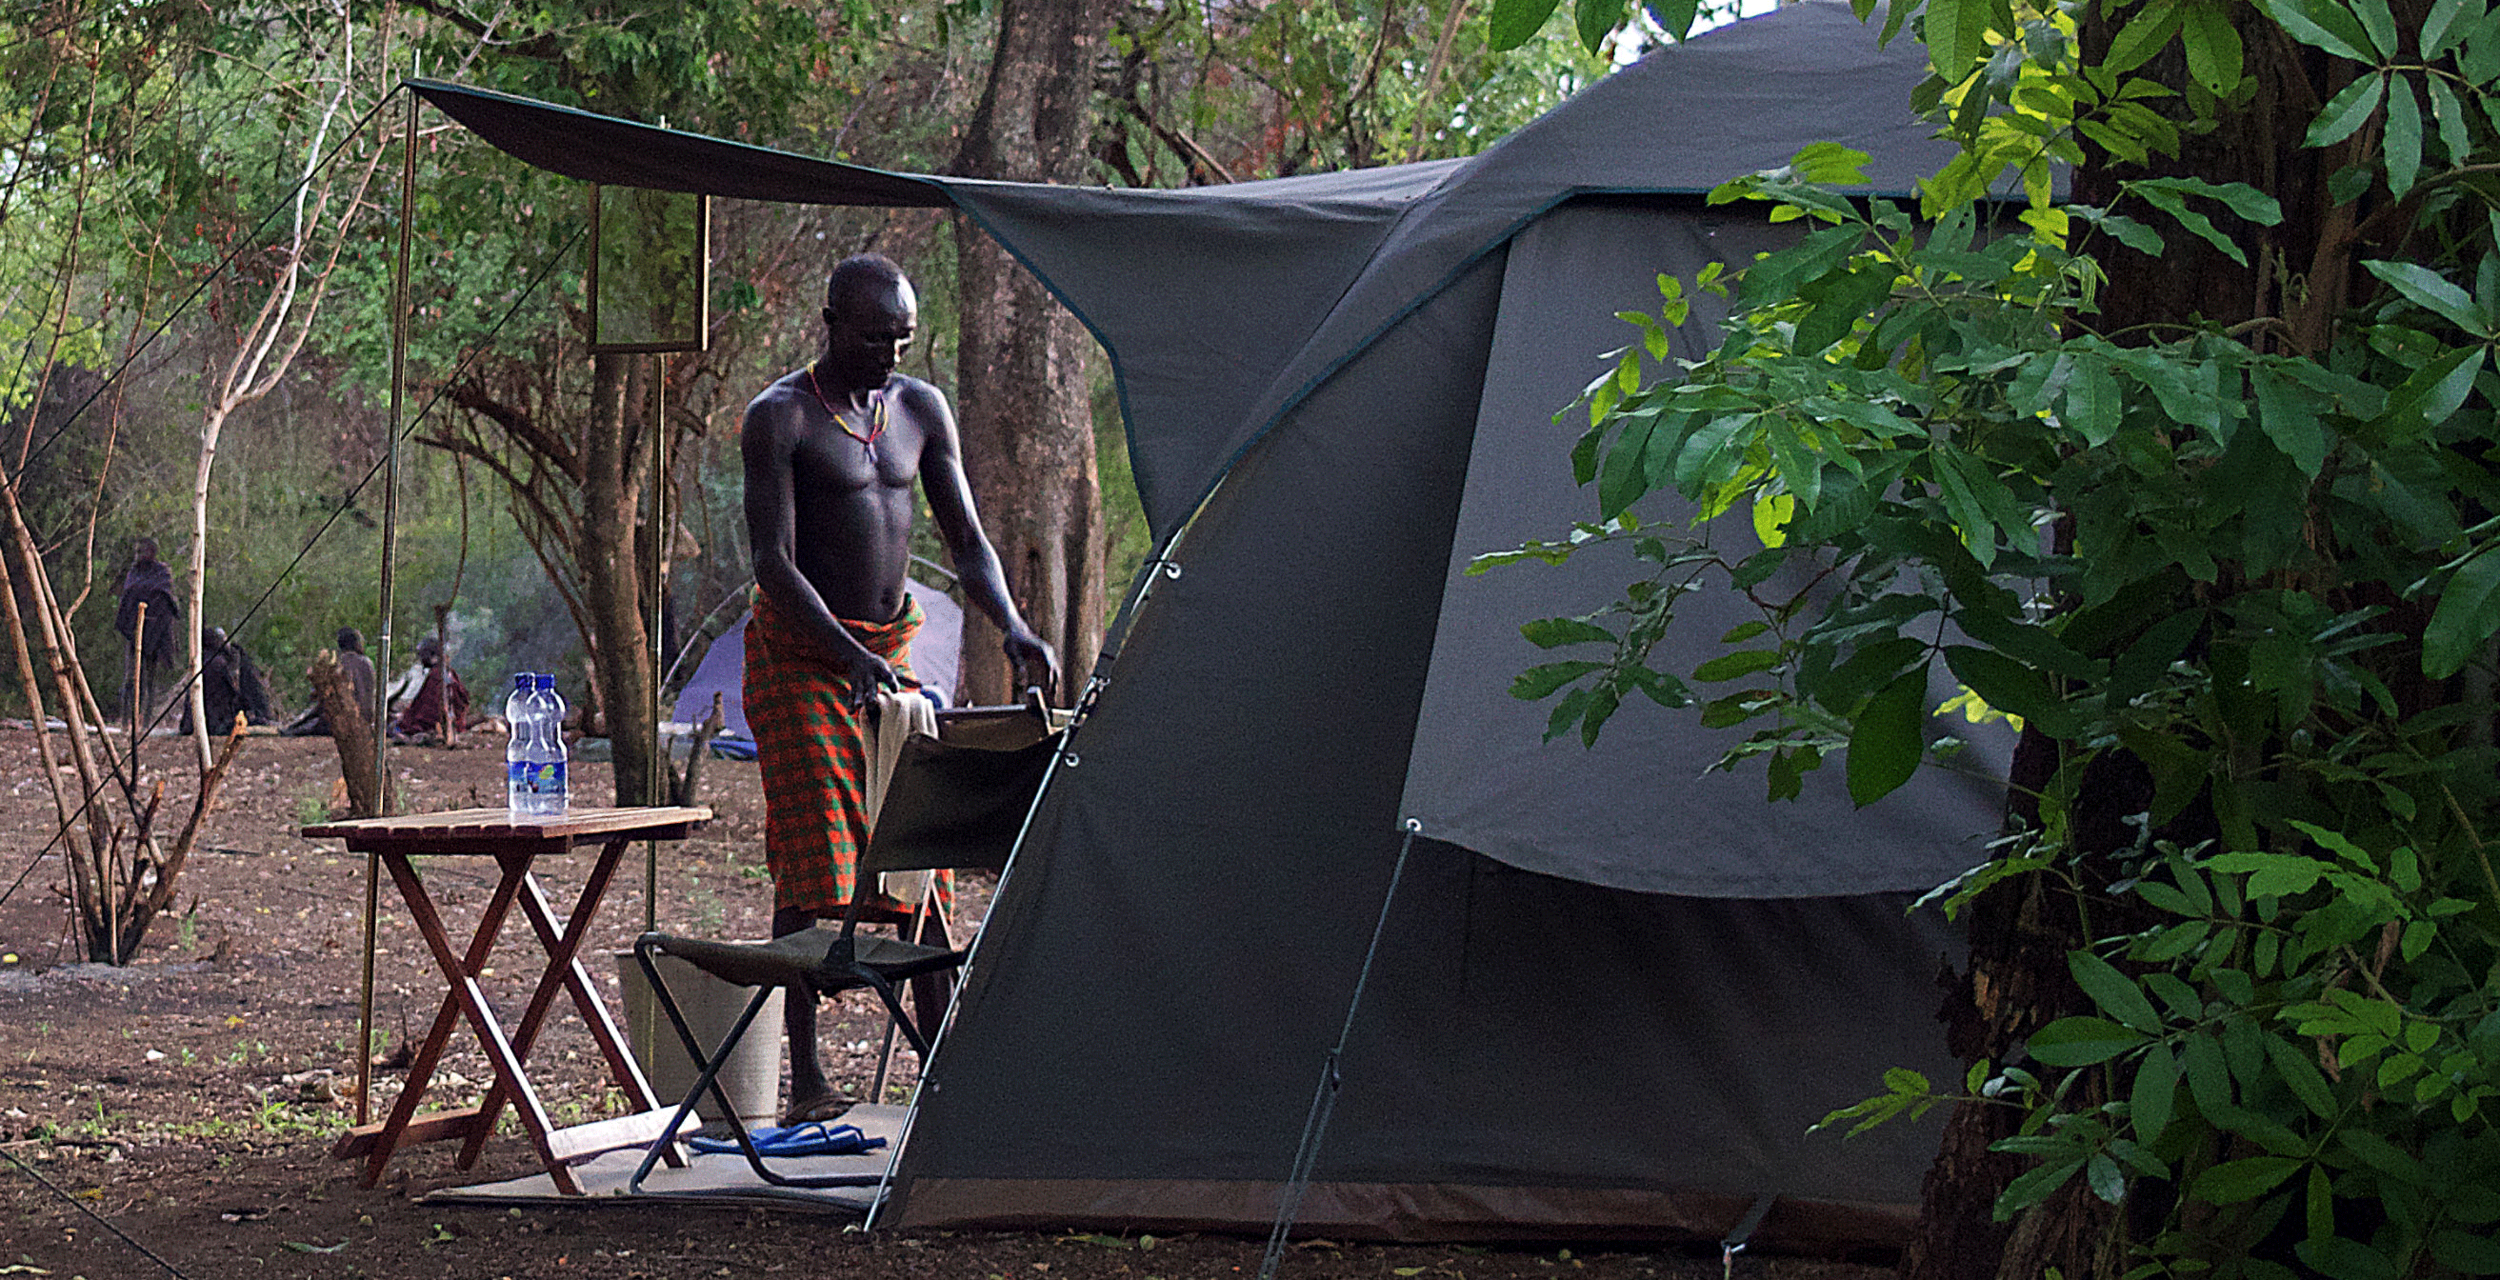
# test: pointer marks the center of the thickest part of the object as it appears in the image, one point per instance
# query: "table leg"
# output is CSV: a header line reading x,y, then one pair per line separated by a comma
x,y
472,1000
447,1018
564,972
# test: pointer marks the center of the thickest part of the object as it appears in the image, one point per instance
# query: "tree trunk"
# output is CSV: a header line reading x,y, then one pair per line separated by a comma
x,y
2021,932
615,465
353,734
1023,387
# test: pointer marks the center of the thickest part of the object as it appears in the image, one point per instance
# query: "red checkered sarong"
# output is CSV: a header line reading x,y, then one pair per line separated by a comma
x,y
813,750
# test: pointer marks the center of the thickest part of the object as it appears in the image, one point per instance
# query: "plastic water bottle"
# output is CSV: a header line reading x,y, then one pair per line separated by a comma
x,y
547,774
518,710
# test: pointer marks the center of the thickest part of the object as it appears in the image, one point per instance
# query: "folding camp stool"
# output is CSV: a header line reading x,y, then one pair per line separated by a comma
x,y
957,801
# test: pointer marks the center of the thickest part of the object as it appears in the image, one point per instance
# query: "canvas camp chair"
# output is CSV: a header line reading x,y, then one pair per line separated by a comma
x,y
956,802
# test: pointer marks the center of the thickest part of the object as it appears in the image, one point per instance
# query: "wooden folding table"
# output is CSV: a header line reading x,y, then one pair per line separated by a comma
x,y
514,844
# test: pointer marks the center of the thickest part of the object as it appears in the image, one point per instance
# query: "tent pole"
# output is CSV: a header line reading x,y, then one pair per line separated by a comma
x,y
1157,567
390,551
657,785
972,956
1324,1099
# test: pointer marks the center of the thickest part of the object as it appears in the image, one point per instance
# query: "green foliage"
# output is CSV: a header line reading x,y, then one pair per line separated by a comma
x,y
2254,563
1216,92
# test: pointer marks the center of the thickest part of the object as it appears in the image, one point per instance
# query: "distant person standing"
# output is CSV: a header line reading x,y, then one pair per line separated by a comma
x,y
148,582
230,684
318,719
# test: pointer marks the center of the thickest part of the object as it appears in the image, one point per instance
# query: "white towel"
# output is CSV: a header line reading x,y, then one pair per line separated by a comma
x,y
900,714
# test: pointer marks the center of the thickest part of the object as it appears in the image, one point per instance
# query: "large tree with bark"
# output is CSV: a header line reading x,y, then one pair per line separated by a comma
x,y
1023,384
2193,473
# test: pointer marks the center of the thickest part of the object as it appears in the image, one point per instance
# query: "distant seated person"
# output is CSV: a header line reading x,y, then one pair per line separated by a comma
x,y
316,720
230,684
440,705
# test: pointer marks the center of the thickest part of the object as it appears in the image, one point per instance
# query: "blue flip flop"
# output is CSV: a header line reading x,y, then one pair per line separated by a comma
x,y
813,1138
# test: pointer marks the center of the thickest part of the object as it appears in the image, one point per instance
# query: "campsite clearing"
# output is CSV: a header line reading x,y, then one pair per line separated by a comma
x,y
191,1098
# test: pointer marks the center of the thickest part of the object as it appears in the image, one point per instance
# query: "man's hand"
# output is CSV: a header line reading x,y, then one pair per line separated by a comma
x,y
868,673
1027,654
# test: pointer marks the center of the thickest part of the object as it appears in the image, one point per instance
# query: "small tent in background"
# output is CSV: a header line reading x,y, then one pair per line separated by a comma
x,y
935,659
1613,989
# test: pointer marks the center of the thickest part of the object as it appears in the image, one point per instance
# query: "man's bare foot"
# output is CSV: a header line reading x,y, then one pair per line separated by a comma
x,y
824,1106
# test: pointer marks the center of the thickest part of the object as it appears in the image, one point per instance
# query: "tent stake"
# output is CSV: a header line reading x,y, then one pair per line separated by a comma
x,y
1324,1099
1742,1234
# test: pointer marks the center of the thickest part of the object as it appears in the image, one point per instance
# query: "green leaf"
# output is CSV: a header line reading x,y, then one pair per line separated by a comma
x,y
2241,1180
2402,145
2309,21
1957,33
2081,1042
2150,656
2153,1098
2378,21
1540,682
2214,53
2440,26
2033,1187
2115,993
2208,1076
2468,614
1595,18
2289,419
2146,34
1516,22
1674,16
2385,1156
2010,686
2433,392
1737,665
1553,633
1839,299
2456,137
2346,112
1885,743
2102,1174
1624,477
2467,1252
2169,197
2430,290
2341,1258
2093,404
2299,1070
1829,164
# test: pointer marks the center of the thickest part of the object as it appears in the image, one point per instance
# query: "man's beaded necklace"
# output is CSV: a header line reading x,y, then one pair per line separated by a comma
x,y
877,417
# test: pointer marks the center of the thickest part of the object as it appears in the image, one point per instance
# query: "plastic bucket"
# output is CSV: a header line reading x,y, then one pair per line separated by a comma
x,y
752,1079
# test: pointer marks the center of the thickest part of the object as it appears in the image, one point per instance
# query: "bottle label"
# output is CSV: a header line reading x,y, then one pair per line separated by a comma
x,y
548,777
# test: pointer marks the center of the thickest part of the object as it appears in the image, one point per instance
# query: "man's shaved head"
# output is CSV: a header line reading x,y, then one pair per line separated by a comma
x,y
864,277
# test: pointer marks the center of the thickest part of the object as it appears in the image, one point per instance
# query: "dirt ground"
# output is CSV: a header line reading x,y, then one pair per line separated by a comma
x,y
174,1116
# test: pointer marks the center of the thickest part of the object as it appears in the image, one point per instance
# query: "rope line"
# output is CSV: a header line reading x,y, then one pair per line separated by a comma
x,y
101,1220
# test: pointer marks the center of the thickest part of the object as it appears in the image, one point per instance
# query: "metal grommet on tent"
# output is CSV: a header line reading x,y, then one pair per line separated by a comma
x,y
1070,759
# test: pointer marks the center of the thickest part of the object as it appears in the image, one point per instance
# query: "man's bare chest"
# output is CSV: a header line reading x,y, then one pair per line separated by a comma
x,y
839,454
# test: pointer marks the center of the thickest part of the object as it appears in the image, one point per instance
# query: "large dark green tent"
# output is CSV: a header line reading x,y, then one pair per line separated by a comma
x,y
1613,988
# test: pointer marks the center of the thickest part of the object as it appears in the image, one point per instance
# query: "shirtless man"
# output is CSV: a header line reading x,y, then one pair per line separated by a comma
x,y
831,453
